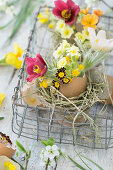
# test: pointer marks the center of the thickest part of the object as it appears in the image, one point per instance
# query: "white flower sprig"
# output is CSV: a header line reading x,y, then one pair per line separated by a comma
x,y
50,154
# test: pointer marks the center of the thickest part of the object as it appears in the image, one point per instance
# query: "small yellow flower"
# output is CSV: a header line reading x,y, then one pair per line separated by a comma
x,y
60,25
12,58
66,80
68,58
81,67
56,84
84,11
80,36
2,97
75,73
43,84
51,25
62,62
67,32
98,12
89,20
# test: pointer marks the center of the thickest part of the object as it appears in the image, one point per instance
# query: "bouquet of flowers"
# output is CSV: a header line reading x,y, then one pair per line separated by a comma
x,y
70,78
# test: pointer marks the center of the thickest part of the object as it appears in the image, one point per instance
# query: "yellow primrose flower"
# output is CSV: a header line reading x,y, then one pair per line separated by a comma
x,y
9,166
80,36
12,58
62,62
67,32
81,67
68,58
73,51
60,25
43,84
2,97
98,12
85,33
84,11
75,73
89,20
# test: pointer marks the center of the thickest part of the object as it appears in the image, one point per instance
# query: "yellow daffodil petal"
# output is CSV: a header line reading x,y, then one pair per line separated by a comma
x,y
17,50
18,63
2,97
10,58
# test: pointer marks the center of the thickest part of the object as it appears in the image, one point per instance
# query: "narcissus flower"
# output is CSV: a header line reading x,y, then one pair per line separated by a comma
x,y
84,11
36,67
89,20
2,97
98,12
99,41
12,58
67,11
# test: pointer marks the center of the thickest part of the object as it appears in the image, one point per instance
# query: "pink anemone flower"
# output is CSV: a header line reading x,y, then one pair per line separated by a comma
x,y
36,67
66,11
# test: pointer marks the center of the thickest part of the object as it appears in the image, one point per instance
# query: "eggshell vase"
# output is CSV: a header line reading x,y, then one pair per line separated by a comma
x,y
75,88
30,96
6,151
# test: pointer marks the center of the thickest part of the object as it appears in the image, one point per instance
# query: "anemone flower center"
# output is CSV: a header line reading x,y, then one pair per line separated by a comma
x,y
36,69
66,14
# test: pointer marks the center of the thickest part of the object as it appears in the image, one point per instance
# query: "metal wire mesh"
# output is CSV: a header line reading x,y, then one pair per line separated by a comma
x,y
40,123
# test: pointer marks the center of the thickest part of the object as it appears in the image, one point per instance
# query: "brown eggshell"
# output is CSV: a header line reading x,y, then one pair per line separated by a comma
x,y
30,96
6,151
108,101
75,88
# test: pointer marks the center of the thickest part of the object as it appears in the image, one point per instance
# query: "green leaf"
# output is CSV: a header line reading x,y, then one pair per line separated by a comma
x,y
73,59
6,25
20,146
98,166
1,118
50,142
77,165
29,155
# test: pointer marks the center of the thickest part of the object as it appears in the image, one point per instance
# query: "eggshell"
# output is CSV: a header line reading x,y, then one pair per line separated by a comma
x,y
6,151
67,120
30,96
75,88
108,101
4,159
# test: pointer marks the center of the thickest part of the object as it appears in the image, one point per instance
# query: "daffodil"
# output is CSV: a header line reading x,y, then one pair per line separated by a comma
x,y
89,20
12,58
2,97
8,164
62,62
67,32
99,41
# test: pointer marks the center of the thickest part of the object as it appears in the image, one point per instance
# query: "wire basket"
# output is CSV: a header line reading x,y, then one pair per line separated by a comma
x,y
41,123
